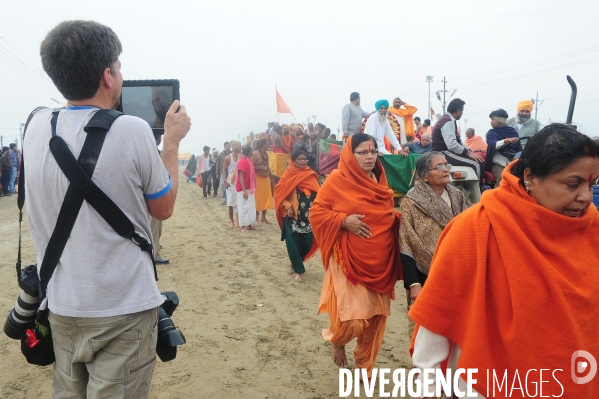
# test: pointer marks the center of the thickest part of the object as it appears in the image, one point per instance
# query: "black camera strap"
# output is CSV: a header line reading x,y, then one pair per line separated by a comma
x,y
81,188
21,189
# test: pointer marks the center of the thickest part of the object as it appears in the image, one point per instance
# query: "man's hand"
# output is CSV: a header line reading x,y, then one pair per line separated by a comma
x,y
176,124
414,292
245,195
354,225
403,152
477,157
226,184
345,135
513,140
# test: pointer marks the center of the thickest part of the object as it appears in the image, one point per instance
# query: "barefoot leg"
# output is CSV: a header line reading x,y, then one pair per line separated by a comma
x,y
338,355
298,277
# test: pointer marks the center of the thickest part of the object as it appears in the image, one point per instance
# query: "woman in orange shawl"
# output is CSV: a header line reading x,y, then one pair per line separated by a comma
x,y
514,281
357,230
294,196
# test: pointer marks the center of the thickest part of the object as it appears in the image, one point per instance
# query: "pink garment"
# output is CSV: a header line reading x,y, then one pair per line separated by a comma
x,y
249,175
201,166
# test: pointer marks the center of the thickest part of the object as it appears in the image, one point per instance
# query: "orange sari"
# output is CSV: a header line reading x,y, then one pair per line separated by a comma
x,y
520,293
360,273
372,262
303,179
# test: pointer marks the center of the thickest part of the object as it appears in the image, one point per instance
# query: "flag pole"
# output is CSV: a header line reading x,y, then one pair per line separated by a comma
x,y
277,105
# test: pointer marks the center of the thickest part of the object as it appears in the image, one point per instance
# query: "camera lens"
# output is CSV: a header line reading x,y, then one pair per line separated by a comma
x,y
21,316
168,337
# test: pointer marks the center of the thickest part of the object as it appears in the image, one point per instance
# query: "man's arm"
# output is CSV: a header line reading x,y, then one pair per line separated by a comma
x,y
241,179
225,170
448,133
411,109
345,119
176,126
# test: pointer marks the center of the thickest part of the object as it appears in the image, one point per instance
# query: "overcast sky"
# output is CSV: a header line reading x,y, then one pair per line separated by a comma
x,y
228,56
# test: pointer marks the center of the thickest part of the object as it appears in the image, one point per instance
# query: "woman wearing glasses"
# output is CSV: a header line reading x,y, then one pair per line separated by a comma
x,y
357,230
425,211
514,281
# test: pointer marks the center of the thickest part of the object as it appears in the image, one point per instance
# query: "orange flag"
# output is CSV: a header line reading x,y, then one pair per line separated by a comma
x,y
282,108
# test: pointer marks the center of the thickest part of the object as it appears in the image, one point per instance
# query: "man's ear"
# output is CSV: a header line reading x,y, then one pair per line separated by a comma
x,y
107,78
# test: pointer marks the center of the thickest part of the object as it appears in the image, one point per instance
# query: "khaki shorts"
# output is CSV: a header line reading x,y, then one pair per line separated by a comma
x,y
104,357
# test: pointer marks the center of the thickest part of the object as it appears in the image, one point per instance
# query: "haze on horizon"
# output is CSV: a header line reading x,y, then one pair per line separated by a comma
x,y
229,55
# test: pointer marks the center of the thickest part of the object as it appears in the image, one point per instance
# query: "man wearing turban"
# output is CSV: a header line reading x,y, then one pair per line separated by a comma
x,y
523,123
378,127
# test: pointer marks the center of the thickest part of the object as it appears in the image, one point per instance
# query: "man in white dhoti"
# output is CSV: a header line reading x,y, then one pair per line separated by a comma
x,y
246,188
378,127
229,174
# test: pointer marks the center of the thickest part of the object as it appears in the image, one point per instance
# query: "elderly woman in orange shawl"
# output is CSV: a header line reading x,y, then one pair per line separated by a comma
x,y
520,276
294,195
357,230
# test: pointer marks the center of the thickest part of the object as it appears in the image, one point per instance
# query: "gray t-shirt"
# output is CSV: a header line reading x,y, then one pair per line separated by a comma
x,y
100,273
351,118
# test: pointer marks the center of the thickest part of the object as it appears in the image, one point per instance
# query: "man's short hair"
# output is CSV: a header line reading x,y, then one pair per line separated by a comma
x,y
206,148
455,105
226,143
427,122
500,113
417,118
5,148
471,129
75,55
12,145
354,96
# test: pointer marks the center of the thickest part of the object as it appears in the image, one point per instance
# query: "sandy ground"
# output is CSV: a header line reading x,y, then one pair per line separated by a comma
x,y
252,332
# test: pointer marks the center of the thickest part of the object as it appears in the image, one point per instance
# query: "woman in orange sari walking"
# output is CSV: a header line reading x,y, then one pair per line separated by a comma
x,y
294,195
357,230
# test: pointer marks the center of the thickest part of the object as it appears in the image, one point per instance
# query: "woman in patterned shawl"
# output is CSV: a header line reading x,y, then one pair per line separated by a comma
x,y
425,211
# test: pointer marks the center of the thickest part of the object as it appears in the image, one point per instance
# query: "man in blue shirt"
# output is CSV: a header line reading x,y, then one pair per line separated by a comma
x,y
14,158
421,147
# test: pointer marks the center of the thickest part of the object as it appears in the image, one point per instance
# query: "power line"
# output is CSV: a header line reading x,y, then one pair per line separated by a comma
x,y
530,64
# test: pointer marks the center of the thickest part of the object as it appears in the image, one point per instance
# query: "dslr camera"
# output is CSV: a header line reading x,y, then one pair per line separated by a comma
x,y
23,315
168,335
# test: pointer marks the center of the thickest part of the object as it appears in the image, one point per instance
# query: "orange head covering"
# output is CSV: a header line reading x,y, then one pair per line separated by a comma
x,y
304,179
294,178
372,262
520,293
526,104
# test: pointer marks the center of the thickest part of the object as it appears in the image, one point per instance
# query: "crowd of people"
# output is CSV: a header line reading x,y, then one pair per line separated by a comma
x,y
507,285
459,307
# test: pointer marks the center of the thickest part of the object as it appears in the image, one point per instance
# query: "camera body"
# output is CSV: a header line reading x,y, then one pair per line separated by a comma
x,y
22,316
169,337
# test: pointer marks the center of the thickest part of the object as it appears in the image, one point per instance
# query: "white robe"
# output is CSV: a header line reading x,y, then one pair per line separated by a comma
x,y
246,209
378,131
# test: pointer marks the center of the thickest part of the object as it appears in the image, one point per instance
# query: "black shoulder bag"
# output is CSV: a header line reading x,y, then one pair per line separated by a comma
x,y
39,351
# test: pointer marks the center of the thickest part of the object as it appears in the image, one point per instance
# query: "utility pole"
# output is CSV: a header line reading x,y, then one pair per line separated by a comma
x,y
444,91
444,102
537,104
429,79
314,116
